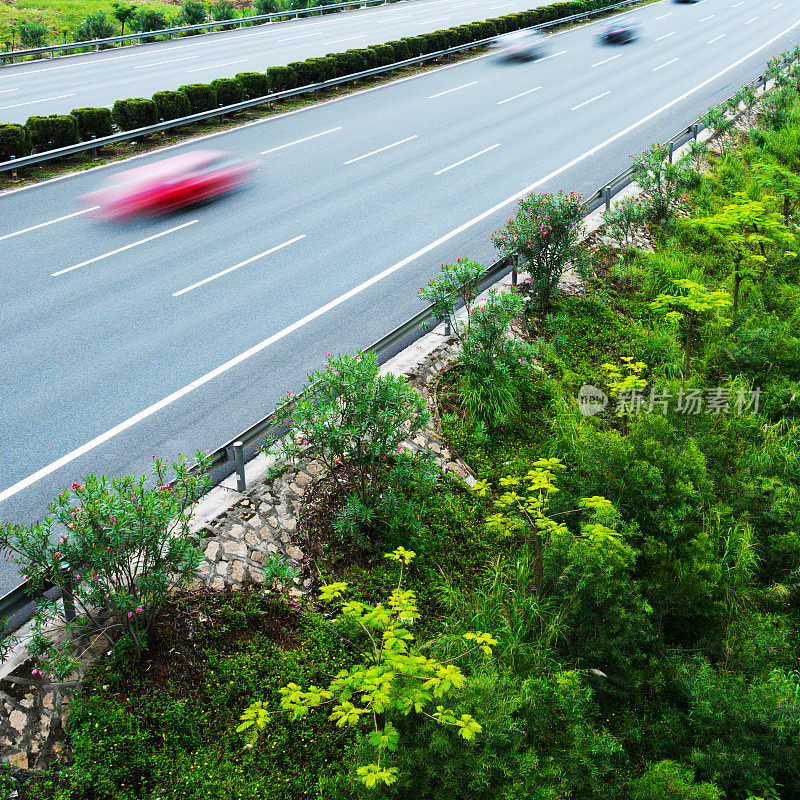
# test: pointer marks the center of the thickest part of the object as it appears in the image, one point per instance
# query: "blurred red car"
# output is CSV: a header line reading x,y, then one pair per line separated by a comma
x,y
169,184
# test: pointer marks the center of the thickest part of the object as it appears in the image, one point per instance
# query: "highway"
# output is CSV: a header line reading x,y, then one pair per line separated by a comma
x,y
121,342
58,85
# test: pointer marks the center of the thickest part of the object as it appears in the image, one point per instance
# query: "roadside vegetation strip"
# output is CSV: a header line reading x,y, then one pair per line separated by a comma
x,y
616,595
60,131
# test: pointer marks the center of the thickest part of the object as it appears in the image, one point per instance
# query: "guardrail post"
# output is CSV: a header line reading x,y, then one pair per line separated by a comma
x,y
13,169
695,130
238,458
447,330
607,197
514,271
764,83
94,149
671,151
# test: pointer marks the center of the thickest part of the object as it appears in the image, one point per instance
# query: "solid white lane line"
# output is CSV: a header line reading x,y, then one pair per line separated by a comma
x,y
49,222
123,249
717,38
521,94
304,36
379,150
751,20
706,19
168,61
590,100
665,36
665,64
356,290
33,102
236,266
606,60
298,141
347,39
664,16
468,158
431,21
215,66
447,91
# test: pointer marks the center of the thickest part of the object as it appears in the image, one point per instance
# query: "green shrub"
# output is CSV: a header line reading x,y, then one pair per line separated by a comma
x,y
14,141
401,49
229,91
464,34
150,19
172,104
222,10
201,96
135,112
385,54
50,133
254,84
325,68
511,22
281,78
93,122
32,34
308,71
417,45
192,12
265,6
367,58
499,24
95,26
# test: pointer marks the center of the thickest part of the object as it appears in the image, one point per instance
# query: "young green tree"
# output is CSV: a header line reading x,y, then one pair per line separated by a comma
x,y
749,227
662,182
396,677
694,305
777,179
123,13
622,222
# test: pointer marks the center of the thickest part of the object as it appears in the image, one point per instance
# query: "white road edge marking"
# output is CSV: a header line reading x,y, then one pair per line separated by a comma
x,y
42,100
45,224
298,141
521,94
590,100
356,290
379,150
236,266
447,91
717,38
665,64
123,249
468,158
606,60
214,66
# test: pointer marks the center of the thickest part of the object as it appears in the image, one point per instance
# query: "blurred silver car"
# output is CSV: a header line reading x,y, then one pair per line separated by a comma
x,y
519,46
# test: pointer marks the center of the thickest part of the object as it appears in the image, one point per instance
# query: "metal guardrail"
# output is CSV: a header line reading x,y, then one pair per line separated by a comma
x,y
232,451
48,155
10,55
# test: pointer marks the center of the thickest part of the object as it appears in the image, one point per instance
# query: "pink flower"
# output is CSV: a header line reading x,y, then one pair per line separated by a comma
x,y
106,595
130,614
139,610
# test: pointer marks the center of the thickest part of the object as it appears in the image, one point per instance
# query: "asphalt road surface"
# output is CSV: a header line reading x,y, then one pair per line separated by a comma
x,y
121,342
98,79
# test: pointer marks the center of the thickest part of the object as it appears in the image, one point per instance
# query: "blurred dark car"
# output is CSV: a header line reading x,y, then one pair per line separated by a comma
x,y
620,33
519,46
168,185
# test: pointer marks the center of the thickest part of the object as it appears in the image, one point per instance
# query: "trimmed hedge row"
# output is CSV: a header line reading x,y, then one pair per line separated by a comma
x,y
59,130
